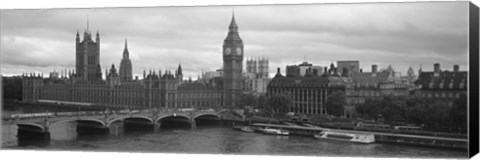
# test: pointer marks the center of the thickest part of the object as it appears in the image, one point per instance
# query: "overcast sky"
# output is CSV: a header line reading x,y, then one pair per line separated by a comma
x,y
400,34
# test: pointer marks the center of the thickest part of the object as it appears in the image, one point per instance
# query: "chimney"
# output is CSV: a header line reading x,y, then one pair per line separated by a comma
x,y
456,68
374,68
278,70
436,67
361,70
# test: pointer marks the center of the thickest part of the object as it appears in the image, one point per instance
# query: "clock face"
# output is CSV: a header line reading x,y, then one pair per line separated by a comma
x,y
239,51
227,51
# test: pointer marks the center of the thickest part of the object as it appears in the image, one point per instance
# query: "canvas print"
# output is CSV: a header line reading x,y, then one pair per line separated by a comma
x,y
349,80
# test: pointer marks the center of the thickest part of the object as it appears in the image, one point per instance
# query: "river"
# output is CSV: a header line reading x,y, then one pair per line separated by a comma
x,y
215,140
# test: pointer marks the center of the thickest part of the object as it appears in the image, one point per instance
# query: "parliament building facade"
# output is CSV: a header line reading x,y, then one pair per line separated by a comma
x,y
119,89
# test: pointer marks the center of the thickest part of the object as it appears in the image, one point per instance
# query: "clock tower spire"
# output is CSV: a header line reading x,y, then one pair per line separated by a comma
x,y
232,65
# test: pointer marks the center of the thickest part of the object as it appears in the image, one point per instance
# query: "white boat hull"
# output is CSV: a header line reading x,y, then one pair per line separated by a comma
x,y
347,137
276,132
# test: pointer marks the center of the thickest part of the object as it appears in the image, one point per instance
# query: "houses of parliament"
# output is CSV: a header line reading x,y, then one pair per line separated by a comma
x,y
157,89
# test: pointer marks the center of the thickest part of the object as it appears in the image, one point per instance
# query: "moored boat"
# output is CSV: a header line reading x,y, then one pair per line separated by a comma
x,y
273,131
348,137
247,129
243,128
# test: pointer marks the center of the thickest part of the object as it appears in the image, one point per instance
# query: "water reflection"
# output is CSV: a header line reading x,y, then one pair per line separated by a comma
x,y
213,140
64,131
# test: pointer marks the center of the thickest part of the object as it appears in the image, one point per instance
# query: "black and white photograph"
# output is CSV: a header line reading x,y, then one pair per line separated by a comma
x,y
317,80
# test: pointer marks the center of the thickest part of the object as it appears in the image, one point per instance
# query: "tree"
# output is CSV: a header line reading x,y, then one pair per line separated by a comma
x,y
458,113
335,104
280,103
12,88
262,102
248,100
416,110
393,108
436,116
369,109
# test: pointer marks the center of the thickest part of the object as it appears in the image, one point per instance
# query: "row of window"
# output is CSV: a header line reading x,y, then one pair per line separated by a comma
x,y
199,95
441,95
198,104
304,109
441,85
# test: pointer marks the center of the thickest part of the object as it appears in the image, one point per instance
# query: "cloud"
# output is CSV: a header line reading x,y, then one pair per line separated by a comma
x,y
401,34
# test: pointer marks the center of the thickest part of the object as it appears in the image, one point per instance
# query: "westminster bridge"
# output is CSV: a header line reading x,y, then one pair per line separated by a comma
x,y
36,126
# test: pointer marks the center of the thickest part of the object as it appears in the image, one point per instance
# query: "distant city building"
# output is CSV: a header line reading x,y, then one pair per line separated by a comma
x,y
374,84
209,75
256,78
53,75
308,92
221,88
411,77
442,85
348,67
304,69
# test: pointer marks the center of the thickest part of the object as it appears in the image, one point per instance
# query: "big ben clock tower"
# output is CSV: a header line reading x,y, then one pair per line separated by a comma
x,y
232,66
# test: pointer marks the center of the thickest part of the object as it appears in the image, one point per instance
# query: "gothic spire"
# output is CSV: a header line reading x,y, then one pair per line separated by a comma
x,y
88,31
233,31
125,50
179,70
233,24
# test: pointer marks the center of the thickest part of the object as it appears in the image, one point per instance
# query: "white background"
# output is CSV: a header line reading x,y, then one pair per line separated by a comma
x,y
29,4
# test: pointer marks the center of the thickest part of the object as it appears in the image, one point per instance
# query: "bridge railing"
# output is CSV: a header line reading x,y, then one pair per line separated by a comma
x,y
108,112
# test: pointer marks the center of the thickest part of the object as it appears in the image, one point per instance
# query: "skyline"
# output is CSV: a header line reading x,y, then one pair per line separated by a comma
x,y
163,37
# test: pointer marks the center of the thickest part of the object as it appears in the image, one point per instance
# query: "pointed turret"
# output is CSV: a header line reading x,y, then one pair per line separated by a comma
x,y
233,31
179,70
99,72
126,65
97,38
87,31
233,23
125,50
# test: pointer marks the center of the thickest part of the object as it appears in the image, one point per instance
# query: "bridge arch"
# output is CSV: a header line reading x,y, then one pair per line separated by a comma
x,y
173,115
123,118
206,114
92,120
31,127
116,120
59,122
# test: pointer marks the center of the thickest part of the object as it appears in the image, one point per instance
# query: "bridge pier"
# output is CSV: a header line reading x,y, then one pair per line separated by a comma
x,y
157,126
89,127
138,124
193,123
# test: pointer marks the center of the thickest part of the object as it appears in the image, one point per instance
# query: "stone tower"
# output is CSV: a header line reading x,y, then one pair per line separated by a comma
x,y
126,66
251,66
113,79
87,57
263,68
179,74
232,66
411,75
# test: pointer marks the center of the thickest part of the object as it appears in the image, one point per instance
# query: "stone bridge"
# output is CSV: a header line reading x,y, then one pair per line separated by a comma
x,y
100,123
